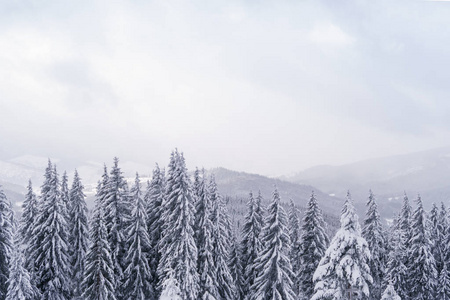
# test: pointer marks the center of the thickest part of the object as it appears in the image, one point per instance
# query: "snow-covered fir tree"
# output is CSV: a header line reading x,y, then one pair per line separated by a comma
x,y
170,289
79,234
274,279
422,268
313,244
204,239
50,242
405,231
117,215
31,223
251,243
235,266
19,282
443,288
6,241
154,197
344,267
138,281
29,212
99,279
294,234
437,228
65,195
221,244
396,272
390,293
197,184
373,233
177,246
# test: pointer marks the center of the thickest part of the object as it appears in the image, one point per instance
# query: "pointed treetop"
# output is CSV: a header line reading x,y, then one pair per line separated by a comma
x,y
349,218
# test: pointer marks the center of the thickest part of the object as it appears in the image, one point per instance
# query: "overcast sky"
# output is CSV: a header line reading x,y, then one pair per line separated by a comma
x,y
270,87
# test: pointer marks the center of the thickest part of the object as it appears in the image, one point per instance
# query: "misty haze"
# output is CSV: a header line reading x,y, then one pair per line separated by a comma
x,y
224,150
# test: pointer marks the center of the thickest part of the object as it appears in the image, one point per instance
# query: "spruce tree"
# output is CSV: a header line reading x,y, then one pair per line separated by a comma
x,y
30,210
138,284
397,273
344,267
438,227
251,243
294,234
99,279
177,247
221,244
154,197
235,266
422,272
6,240
374,235
274,280
65,197
35,237
390,293
313,244
444,274
19,282
79,234
405,229
208,286
50,240
117,216
443,288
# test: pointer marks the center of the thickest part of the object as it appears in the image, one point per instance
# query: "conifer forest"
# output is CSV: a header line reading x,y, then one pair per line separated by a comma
x,y
172,238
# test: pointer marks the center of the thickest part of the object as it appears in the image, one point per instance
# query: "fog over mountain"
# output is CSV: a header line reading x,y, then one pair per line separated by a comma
x,y
426,173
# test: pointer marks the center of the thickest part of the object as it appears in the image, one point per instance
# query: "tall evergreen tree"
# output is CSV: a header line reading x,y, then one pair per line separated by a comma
x,y
154,197
19,282
374,235
437,229
65,196
6,240
274,280
99,280
345,264
177,247
208,286
197,184
396,272
221,244
138,284
50,239
117,216
30,209
251,243
294,234
443,288
34,241
422,273
79,234
236,269
313,244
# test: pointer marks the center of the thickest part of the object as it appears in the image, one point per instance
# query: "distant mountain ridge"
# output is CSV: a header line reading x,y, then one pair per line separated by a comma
x,y
425,172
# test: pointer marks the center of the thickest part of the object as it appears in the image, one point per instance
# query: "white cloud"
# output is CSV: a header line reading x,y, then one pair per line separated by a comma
x,y
330,35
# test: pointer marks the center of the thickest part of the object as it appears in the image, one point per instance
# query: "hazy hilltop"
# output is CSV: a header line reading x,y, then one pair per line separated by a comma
x,y
237,186
426,172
